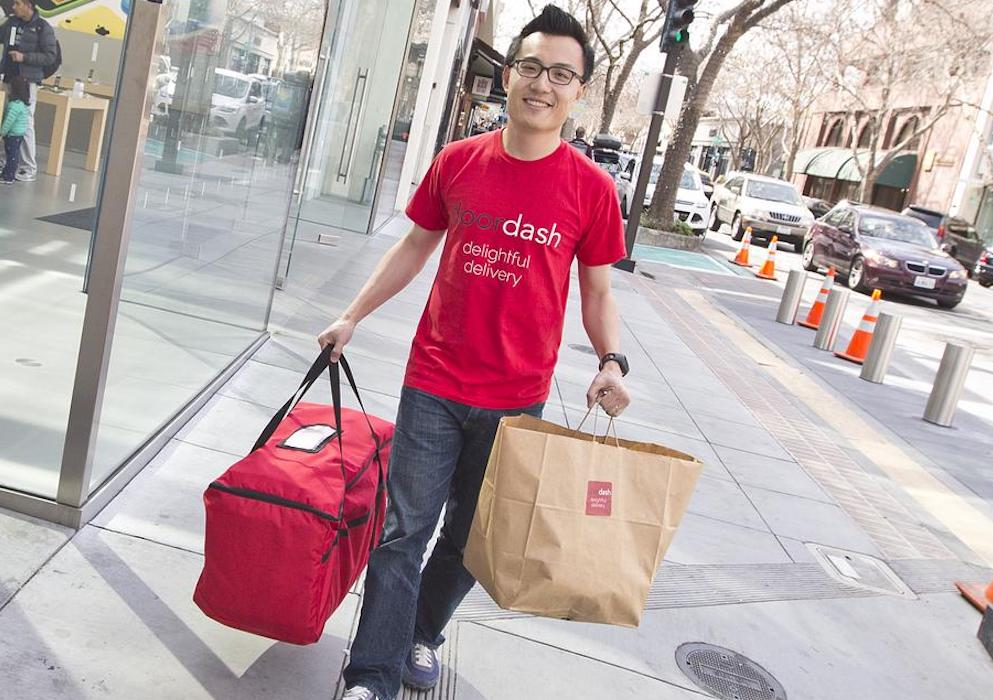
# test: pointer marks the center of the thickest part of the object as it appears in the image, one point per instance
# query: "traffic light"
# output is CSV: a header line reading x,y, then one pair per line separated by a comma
x,y
678,17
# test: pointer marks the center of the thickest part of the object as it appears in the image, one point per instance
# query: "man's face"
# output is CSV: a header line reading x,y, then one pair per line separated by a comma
x,y
537,104
22,10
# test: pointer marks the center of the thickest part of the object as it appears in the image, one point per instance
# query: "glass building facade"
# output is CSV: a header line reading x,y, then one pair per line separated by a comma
x,y
181,149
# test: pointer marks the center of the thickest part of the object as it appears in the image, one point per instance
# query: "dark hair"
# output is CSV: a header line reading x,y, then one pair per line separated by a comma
x,y
580,132
19,90
558,22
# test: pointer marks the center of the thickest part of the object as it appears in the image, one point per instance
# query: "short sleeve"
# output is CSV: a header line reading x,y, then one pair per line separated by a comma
x,y
427,207
603,242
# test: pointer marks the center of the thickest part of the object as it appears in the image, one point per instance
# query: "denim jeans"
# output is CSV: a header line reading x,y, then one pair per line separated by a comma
x,y
11,147
438,457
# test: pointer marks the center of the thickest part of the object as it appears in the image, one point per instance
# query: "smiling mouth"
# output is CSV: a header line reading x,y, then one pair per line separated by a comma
x,y
536,103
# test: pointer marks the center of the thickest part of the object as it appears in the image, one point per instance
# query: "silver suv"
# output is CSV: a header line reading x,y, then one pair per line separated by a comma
x,y
770,206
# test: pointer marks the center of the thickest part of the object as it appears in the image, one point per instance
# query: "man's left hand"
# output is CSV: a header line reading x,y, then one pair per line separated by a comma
x,y
608,387
17,57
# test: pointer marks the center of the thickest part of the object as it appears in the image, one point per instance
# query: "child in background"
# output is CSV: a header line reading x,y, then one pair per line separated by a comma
x,y
15,123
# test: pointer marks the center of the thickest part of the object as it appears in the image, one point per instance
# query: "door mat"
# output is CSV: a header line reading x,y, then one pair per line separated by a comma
x,y
84,219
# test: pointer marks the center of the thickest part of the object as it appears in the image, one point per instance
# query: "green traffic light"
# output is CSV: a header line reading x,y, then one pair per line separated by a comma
x,y
680,35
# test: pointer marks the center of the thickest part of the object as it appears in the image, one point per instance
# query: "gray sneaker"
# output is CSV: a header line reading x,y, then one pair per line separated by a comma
x,y
25,176
359,692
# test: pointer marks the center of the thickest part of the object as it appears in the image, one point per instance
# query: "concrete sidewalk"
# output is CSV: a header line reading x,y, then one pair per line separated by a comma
x,y
786,508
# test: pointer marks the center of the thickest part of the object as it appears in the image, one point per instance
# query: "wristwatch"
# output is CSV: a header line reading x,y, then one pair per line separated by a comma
x,y
617,357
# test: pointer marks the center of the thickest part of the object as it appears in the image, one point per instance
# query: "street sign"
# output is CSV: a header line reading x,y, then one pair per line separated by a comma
x,y
677,91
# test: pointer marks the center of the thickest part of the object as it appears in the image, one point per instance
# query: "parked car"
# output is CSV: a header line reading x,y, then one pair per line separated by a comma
x,y
874,248
607,153
691,202
770,206
957,235
237,105
984,268
708,183
818,207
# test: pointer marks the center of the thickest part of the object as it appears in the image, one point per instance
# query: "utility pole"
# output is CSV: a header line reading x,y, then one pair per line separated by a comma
x,y
675,34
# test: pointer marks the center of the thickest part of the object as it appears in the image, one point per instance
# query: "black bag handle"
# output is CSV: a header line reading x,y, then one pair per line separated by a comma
x,y
322,363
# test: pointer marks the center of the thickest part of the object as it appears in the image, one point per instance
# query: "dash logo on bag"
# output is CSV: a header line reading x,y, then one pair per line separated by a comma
x,y
599,496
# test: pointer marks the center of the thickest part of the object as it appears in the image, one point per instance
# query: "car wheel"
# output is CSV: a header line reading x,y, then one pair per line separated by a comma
x,y
986,283
808,257
714,224
797,245
856,276
736,231
240,131
948,303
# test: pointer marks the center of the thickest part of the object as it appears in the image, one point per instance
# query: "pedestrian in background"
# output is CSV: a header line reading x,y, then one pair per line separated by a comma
x,y
30,48
15,123
580,144
515,207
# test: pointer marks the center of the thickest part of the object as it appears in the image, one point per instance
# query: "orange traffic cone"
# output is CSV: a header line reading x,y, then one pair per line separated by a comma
x,y
858,346
742,257
813,319
973,592
768,269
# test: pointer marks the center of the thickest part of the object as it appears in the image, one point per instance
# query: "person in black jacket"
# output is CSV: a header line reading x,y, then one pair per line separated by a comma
x,y
29,47
580,143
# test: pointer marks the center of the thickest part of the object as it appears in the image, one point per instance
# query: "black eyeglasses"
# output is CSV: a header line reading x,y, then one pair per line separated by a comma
x,y
529,68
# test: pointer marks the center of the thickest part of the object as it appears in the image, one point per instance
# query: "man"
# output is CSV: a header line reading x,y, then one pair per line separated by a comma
x,y
518,205
580,144
30,47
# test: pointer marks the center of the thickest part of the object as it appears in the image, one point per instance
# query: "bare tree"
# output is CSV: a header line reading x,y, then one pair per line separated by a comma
x,y
803,42
620,53
701,68
753,114
894,86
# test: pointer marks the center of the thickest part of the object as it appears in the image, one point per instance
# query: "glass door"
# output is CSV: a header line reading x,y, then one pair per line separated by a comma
x,y
366,56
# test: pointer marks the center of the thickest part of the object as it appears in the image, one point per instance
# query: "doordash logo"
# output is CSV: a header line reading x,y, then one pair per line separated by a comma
x,y
599,497
515,228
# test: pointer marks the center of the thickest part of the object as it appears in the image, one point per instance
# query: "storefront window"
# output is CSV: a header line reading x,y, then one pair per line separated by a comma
x,y
351,130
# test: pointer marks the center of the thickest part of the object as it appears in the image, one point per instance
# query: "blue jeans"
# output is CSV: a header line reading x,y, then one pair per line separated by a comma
x,y
438,457
11,148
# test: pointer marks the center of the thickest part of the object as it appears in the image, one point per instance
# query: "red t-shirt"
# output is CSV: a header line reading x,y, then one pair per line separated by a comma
x,y
491,330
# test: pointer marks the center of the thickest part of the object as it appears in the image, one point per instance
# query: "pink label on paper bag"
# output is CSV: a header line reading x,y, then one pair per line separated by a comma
x,y
599,495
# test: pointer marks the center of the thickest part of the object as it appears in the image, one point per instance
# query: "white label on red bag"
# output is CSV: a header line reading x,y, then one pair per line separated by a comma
x,y
599,496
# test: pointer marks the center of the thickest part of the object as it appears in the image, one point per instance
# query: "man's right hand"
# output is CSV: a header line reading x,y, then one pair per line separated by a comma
x,y
337,335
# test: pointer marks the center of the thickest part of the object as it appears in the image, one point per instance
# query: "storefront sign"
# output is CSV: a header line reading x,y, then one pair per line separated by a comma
x,y
481,86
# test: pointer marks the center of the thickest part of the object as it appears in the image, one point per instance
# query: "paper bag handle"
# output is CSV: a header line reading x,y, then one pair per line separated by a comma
x,y
610,425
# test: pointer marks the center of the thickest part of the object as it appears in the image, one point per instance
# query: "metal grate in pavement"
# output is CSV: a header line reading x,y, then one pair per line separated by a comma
x,y
938,576
706,585
890,525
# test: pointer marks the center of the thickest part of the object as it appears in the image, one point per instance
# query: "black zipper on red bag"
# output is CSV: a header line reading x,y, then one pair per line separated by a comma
x,y
287,503
275,500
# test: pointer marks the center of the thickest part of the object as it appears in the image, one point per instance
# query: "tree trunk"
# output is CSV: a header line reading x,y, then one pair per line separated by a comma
x,y
660,212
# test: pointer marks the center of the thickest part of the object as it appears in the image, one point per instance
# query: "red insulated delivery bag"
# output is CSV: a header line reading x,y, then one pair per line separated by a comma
x,y
290,527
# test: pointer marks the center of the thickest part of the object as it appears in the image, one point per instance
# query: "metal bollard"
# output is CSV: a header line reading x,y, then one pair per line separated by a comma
x,y
790,303
877,360
834,311
948,383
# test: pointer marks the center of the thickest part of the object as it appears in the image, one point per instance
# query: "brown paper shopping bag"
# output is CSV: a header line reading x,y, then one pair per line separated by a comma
x,y
570,526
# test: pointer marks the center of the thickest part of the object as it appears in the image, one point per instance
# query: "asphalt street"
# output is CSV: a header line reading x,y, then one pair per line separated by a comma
x,y
925,328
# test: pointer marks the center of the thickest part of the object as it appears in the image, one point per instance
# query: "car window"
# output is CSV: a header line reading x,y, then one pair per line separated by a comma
x,y
894,229
230,86
833,217
735,185
688,182
773,191
931,219
256,90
